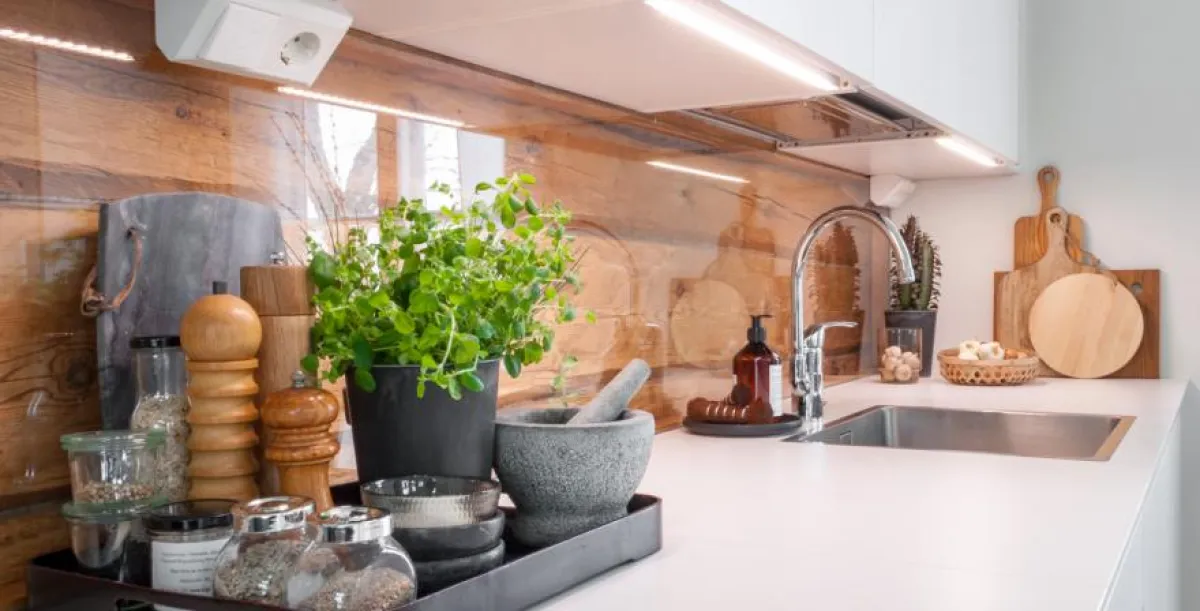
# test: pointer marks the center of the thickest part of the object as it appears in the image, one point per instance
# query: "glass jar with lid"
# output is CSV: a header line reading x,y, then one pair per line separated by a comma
x,y
112,469
272,532
185,539
162,403
354,564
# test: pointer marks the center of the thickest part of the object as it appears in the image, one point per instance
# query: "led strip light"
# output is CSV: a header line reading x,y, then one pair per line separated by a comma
x,y
64,45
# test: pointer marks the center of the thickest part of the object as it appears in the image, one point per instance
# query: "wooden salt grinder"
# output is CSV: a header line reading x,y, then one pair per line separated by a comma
x,y
297,422
220,334
282,297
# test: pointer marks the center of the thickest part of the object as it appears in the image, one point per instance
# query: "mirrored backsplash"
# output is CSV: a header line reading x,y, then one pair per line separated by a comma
x,y
673,263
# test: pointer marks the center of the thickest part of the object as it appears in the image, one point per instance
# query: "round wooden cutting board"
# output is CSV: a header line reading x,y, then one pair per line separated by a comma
x,y
1086,325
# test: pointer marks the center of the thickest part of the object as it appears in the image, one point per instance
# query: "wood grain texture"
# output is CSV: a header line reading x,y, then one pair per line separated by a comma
x,y
281,294
78,131
1086,326
277,290
285,342
218,328
1146,287
300,444
1017,290
1030,239
222,444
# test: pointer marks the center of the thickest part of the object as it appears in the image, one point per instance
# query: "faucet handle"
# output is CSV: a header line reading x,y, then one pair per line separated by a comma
x,y
814,335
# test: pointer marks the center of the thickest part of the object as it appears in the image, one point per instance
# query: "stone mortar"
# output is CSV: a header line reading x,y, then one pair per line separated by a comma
x,y
566,480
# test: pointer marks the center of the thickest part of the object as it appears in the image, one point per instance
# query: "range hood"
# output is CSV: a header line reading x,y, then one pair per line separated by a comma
x,y
861,131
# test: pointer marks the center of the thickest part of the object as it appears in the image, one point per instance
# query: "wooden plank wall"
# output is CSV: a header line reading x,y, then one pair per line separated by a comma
x,y
674,262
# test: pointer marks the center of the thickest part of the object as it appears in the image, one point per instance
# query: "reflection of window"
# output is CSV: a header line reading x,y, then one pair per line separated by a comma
x,y
441,165
437,153
346,143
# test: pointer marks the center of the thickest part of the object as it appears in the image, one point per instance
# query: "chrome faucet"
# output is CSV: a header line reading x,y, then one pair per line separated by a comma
x,y
808,345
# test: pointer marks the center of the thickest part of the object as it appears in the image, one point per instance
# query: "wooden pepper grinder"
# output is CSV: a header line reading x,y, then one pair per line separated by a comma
x,y
220,334
297,422
282,297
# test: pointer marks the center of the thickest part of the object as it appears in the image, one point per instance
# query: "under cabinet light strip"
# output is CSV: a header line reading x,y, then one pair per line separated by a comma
x,y
684,12
662,165
967,151
368,106
64,45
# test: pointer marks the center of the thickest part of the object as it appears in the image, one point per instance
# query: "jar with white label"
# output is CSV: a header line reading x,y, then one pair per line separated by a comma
x,y
185,539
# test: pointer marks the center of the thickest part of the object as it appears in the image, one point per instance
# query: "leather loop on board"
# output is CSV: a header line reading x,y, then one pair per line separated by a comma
x,y
92,302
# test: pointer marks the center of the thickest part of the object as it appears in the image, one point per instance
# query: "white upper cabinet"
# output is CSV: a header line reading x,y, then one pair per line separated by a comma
x,y
840,31
955,62
928,68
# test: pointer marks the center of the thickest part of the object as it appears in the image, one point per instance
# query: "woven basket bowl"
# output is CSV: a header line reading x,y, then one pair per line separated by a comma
x,y
1009,372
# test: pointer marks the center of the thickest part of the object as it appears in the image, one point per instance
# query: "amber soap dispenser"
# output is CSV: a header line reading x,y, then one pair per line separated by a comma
x,y
758,369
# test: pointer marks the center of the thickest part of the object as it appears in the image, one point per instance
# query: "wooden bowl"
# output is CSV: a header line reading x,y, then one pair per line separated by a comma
x,y
1008,372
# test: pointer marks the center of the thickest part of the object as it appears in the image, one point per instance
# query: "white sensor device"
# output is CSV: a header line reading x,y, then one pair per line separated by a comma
x,y
286,41
889,190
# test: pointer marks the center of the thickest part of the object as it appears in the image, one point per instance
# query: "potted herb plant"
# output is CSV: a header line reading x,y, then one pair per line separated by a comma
x,y
419,321
914,306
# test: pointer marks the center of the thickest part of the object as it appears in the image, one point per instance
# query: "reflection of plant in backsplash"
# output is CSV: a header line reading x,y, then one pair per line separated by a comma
x,y
836,277
927,262
559,383
338,209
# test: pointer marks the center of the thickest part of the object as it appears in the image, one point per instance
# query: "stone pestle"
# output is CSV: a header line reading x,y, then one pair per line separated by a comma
x,y
613,399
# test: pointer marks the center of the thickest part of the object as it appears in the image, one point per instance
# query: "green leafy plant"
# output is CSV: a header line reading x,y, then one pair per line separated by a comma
x,y
922,294
445,290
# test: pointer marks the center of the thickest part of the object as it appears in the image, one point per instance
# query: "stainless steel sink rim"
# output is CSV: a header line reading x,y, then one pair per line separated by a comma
x,y
1056,435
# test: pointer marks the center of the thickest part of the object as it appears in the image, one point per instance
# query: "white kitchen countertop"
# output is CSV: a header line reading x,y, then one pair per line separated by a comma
x,y
762,524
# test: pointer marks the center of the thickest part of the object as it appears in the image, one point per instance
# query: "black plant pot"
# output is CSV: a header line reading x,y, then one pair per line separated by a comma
x,y
926,321
395,433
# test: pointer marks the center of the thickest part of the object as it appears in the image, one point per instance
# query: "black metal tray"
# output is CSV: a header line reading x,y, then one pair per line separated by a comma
x,y
527,577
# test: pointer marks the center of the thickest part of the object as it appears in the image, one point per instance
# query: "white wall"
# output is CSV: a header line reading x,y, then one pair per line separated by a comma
x,y
1111,96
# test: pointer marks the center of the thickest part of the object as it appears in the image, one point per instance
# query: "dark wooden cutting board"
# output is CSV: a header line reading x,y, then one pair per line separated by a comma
x,y
188,241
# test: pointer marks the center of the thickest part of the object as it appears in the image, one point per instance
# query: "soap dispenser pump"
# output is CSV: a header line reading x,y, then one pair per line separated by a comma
x,y
758,368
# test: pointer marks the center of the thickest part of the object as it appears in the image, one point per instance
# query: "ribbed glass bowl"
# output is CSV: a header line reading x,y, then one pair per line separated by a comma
x,y
431,501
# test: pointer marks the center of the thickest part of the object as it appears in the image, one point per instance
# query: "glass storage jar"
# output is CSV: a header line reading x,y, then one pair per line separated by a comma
x,y
185,539
900,355
354,565
112,469
110,543
271,534
162,403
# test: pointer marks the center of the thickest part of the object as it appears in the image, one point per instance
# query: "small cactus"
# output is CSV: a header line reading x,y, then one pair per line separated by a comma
x,y
922,294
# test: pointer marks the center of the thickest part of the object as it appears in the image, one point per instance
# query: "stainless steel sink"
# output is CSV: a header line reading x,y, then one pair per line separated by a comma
x,y
1070,436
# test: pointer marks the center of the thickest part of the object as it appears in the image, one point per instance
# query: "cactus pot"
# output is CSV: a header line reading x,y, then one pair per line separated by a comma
x,y
926,321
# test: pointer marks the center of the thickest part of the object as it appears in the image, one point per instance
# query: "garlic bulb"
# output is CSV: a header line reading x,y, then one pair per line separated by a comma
x,y
991,351
967,355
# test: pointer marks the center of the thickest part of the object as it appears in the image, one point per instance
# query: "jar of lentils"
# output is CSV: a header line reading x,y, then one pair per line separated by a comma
x,y
271,534
354,565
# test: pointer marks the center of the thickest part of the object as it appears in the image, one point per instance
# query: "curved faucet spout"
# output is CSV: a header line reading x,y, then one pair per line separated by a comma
x,y
807,376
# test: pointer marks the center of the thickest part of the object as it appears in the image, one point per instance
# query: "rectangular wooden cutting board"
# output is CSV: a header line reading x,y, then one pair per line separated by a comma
x,y
1145,286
